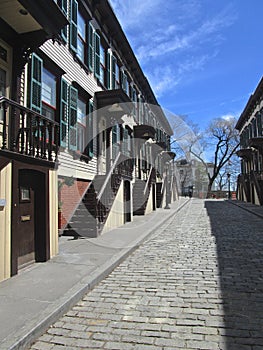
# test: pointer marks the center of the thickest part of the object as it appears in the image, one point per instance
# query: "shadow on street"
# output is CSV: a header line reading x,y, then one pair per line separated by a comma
x,y
239,241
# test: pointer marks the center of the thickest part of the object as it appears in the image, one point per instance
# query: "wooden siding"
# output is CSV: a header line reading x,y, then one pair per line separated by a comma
x,y
73,70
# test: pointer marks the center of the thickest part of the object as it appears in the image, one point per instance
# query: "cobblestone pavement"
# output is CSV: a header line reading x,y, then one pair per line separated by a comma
x,y
195,284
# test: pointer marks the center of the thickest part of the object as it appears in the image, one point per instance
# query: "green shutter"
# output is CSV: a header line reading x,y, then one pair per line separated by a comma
x,y
63,4
108,82
63,113
74,26
73,105
124,81
91,47
90,130
36,83
140,110
134,95
113,72
125,141
97,55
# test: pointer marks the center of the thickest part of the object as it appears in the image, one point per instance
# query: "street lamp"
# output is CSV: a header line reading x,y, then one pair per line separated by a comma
x,y
228,177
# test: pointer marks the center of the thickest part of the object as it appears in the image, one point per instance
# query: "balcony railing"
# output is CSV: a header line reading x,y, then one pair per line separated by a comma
x,y
26,132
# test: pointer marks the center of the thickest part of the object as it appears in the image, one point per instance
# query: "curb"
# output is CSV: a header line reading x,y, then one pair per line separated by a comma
x,y
246,209
81,288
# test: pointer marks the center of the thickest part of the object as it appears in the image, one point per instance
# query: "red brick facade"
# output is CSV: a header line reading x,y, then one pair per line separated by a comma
x,y
69,197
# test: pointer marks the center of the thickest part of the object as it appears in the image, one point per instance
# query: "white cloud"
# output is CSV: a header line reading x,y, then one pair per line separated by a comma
x,y
176,37
132,12
162,79
228,117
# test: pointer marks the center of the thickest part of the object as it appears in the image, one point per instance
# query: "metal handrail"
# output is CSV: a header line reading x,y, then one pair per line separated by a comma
x,y
163,183
148,180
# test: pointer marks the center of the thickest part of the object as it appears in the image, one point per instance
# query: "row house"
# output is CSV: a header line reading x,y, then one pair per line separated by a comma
x,y
84,145
249,125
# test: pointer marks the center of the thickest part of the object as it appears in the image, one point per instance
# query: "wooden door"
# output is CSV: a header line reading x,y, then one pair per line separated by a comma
x,y
26,219
30,235
127,201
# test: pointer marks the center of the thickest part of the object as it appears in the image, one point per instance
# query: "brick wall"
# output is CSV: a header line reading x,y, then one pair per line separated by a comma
x,y
70,196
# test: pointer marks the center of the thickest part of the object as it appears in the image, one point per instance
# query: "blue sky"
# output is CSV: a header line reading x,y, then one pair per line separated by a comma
x,y
203,58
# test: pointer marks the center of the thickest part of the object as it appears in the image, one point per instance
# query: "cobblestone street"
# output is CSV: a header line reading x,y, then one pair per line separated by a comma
x,y
197,283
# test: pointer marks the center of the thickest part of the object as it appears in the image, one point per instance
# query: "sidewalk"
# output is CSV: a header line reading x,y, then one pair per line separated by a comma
x,y
38,295
252,208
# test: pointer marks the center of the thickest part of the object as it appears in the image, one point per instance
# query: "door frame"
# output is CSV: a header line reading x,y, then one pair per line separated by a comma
x,y
41,217
7,66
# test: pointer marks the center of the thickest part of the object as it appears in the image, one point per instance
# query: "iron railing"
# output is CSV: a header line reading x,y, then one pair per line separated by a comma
x,y
27,132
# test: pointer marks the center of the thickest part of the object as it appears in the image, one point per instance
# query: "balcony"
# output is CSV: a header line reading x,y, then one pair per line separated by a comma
x,y
27,135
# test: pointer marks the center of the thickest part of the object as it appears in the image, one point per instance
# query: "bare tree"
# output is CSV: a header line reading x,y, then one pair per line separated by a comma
x,y
220,138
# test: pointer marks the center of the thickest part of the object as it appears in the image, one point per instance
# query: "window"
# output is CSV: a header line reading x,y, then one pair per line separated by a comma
x,y
48,94
97,55
72,120
81,41
81,125
63,113
115,140
102,65
74,26
124,82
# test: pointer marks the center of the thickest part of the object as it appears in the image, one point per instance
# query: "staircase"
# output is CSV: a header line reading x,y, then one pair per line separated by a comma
x,y
84,220
141,192
258,186
243,182
93,209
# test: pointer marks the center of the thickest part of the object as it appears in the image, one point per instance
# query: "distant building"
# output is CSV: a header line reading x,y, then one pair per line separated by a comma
x,y
249,125
192,175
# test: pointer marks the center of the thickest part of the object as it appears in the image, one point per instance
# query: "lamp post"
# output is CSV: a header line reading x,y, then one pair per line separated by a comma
x,y
228,177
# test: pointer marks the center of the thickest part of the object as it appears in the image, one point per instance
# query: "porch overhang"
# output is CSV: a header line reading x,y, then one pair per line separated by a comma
x,y
144,132
167,156
31,22
47,14
245,153
25,16
113,101
113,104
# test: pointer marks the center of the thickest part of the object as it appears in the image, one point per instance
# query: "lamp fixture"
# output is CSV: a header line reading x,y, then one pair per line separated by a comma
x,y
23,12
